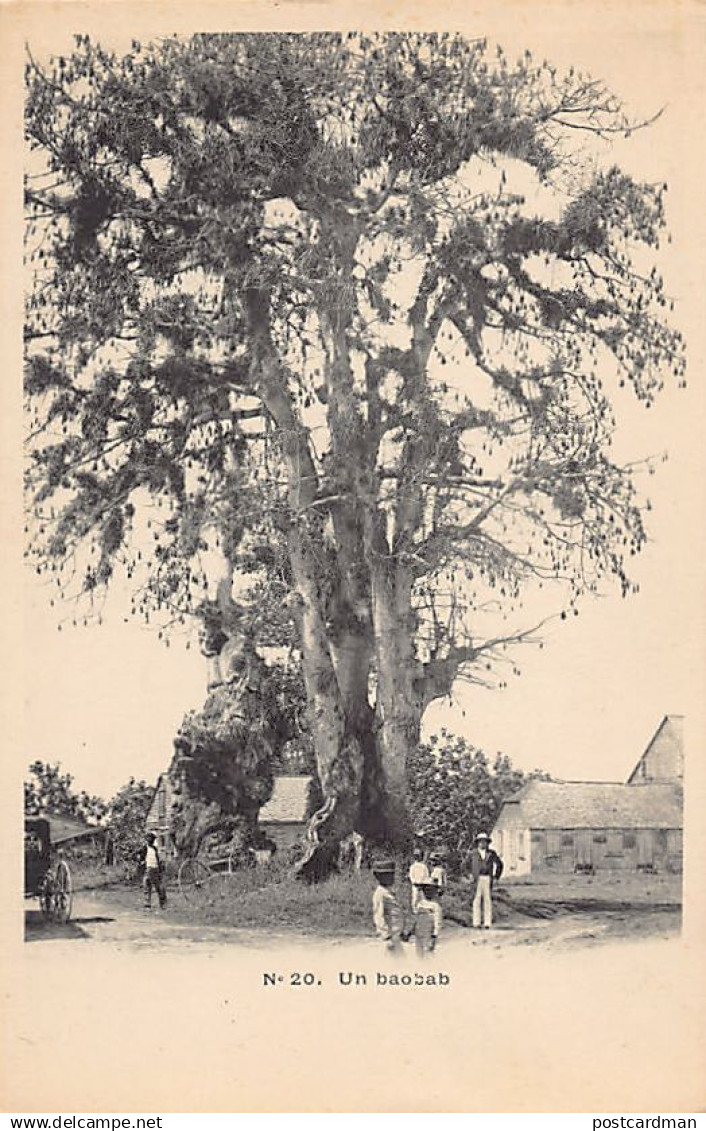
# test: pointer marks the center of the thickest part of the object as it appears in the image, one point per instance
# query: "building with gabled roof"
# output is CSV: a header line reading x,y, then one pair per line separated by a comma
x,y
584,826
158,820
283,818
663,759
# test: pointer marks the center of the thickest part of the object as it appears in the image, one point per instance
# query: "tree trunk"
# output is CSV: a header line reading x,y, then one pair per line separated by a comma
x,y
398,704
339,754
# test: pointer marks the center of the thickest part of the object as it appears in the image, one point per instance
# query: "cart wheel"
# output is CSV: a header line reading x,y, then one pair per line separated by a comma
x,y
194,881
63,893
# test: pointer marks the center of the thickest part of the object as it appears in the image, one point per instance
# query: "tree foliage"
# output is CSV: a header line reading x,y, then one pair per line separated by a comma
x,y
347,309
128,812
48,791
455,792
226,754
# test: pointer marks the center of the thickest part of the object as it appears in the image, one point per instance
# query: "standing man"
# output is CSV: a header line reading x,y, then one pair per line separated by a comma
x,y
153,877
486,868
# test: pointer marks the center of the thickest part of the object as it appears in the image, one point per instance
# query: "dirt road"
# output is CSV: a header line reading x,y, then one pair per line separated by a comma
x,y
106,920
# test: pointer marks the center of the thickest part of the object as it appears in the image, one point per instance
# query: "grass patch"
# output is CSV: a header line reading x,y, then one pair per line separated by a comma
x,y
341,905
269,899
272,899
605,888
266,898
90,875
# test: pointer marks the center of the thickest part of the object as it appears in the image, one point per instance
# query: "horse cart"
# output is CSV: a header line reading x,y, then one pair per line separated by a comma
x,y
208,876
47,874
204,878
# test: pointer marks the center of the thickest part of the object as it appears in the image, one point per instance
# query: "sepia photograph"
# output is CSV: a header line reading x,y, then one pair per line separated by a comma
x,y
354,705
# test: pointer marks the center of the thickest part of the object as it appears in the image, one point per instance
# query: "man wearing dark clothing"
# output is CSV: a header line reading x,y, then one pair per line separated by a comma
x,y
486,869
153,876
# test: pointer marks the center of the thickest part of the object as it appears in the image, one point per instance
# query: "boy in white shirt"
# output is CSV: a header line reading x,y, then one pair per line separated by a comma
x,y
418,875
153,873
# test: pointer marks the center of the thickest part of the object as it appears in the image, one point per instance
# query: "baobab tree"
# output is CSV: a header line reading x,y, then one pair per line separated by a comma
x,y
347,310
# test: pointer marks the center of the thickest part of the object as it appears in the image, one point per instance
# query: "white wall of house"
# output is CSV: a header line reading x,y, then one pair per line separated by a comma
x,y
513,845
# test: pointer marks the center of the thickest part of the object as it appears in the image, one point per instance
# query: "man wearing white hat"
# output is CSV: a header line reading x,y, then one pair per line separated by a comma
x,y
486,868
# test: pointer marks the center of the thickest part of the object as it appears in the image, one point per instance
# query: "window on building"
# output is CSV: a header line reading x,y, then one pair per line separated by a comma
x,y
629,840
553,842
614,843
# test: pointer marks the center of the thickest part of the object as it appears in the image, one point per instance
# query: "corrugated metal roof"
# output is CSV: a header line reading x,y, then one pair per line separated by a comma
x,y
599,805
288,801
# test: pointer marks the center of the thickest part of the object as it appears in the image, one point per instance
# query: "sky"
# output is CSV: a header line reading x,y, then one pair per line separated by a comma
x,y
106,701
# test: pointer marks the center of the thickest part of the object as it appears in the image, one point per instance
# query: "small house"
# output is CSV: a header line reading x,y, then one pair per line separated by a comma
x,y
284,817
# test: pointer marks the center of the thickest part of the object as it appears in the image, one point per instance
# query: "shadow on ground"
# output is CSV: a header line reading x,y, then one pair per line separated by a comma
x,y
37,926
